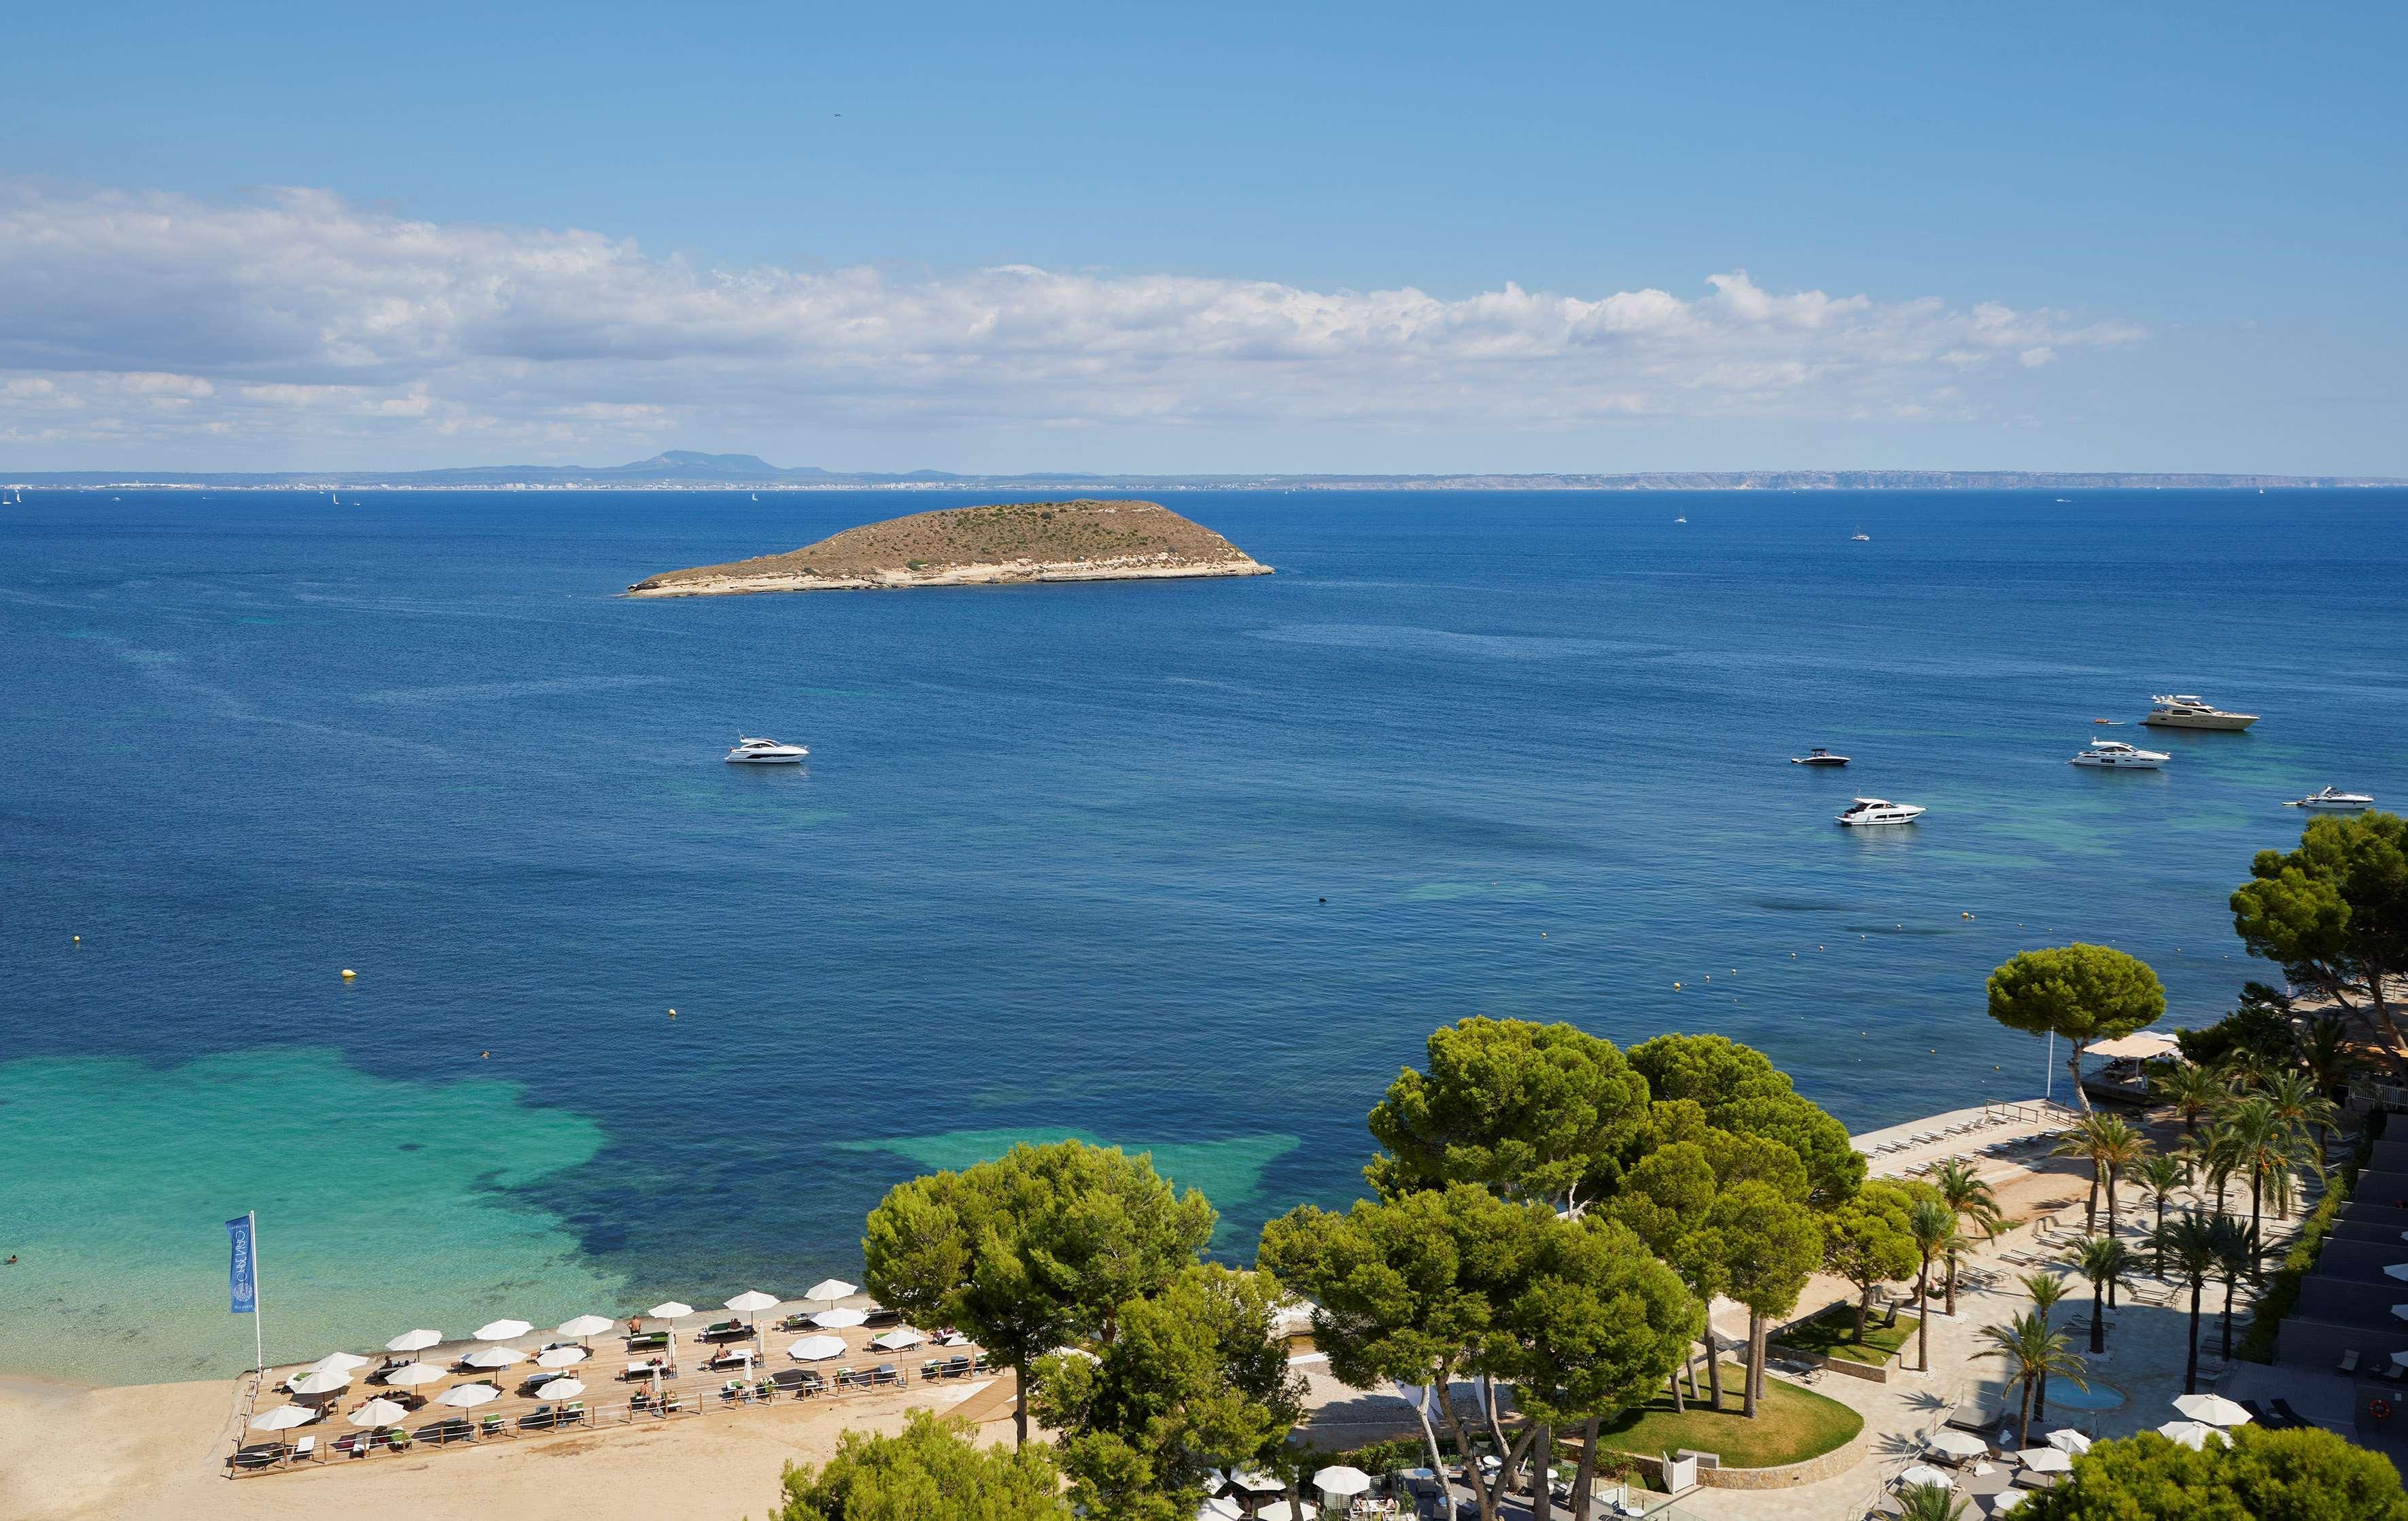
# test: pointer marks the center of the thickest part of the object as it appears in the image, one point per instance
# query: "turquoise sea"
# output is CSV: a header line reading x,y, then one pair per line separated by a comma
x,y
1190,866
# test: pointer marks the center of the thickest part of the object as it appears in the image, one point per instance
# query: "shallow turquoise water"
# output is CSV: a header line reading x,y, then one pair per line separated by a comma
x,y
1193,867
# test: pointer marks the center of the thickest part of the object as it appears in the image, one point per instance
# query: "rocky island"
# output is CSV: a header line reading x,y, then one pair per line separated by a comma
x,y
981,546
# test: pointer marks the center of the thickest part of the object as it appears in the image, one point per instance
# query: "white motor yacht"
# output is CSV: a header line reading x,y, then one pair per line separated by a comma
x,y
2115,755
2194,712
1818,756
1879,811
2335,799
765,753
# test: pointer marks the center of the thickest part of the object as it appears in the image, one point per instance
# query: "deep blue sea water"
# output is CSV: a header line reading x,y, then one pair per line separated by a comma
x,y
1190,866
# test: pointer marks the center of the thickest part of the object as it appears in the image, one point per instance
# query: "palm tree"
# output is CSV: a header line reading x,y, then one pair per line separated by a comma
x,y
2236,1254
2111,1144
2044,1290
2264,1148
2193,1092
1931,1224
2032,1352
1969,1200
2195,1245
2160,1177
2245,1072
2329,1061
2299,1105
2106,1262
1930,1502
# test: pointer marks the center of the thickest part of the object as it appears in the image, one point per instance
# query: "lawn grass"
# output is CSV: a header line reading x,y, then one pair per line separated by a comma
x,y
1791,1425
1832,1333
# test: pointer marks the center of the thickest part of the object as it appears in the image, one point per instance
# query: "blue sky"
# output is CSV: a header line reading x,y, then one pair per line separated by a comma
x,y
2195,211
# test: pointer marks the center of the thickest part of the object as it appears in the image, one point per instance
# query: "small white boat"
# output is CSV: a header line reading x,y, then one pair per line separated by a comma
x,y
1818,756
1861,539
1879,811
2194,712
2334,800
2115,755
1680,520
749,752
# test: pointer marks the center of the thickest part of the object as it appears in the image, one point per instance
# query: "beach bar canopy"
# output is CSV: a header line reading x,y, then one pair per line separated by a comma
x,y
2140,1046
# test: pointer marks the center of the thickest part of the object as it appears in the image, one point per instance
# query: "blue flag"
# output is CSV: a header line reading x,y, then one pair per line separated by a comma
x,y
240,1277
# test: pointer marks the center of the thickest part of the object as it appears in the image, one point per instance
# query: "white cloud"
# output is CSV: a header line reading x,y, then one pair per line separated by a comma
x,y
302,317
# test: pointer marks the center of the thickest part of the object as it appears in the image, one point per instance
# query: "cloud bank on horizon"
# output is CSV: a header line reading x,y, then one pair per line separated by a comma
x,y
136,327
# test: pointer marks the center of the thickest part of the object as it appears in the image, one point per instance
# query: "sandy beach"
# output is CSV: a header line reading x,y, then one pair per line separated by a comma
x,y
159,1450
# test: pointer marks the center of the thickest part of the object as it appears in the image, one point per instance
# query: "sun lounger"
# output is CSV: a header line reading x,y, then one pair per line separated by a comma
x,y
2286,1415
542,1418
648,1341
646,1369
886,1373
444,1432
789,1378
880,1315
812,1384
2349,1361
305,1450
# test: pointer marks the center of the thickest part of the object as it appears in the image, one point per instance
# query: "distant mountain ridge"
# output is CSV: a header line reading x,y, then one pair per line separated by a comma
x,y
691,469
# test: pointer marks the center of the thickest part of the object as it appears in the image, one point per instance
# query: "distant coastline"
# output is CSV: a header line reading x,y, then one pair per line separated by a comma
x,y
686,470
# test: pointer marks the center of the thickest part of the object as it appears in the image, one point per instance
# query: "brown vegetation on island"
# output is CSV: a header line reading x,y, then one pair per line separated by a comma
x,y
1071,540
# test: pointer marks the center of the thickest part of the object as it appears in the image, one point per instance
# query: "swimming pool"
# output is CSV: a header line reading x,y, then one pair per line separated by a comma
x,y
2063,1394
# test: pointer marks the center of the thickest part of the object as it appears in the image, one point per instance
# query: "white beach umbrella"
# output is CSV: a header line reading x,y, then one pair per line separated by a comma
x,y
2065,1439
830,1289
411,1375
751,1301
2397,1269
2400,1357
1923,1475
2007,1499
2191,1434
2213,1409
902,1339
1341,1480
584,1325
502,1331
283,1418
816,1349
670,1309
413,1341
468,1396
1219,1510
561,1357
837,1320
1256,1481
561,1388
2401,1309
493,1357
377,1413
322,1383
338,1362
2045,1459
1956,1443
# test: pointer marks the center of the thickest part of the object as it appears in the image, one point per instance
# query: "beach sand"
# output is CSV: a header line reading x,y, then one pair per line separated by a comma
x,y
159,1451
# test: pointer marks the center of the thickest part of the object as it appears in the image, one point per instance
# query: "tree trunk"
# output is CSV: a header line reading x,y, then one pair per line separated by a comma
x,y
2256,1185
1922,1316
1864,1309
1429,1434
1755,1360
1584,1477
1714,1361
1542,1477
1488,1409
2227,1317
2159,1240
2091,1207
2039,1398
1952,1287
2191,1371
1673,1382
1020,1407
2111,1200
1689,1366
2098,1318
2024,1439
2074,1065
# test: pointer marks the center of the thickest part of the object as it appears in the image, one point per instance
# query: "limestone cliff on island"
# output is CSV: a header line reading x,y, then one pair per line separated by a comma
x,y
981,546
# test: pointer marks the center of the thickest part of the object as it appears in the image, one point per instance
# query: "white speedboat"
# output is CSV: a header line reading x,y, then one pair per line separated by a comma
x,y
2115,755
765,753
2193,713
1879,811
2334,800
1818,756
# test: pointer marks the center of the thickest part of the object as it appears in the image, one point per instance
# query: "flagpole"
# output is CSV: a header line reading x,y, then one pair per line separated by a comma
x,y
258,1337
